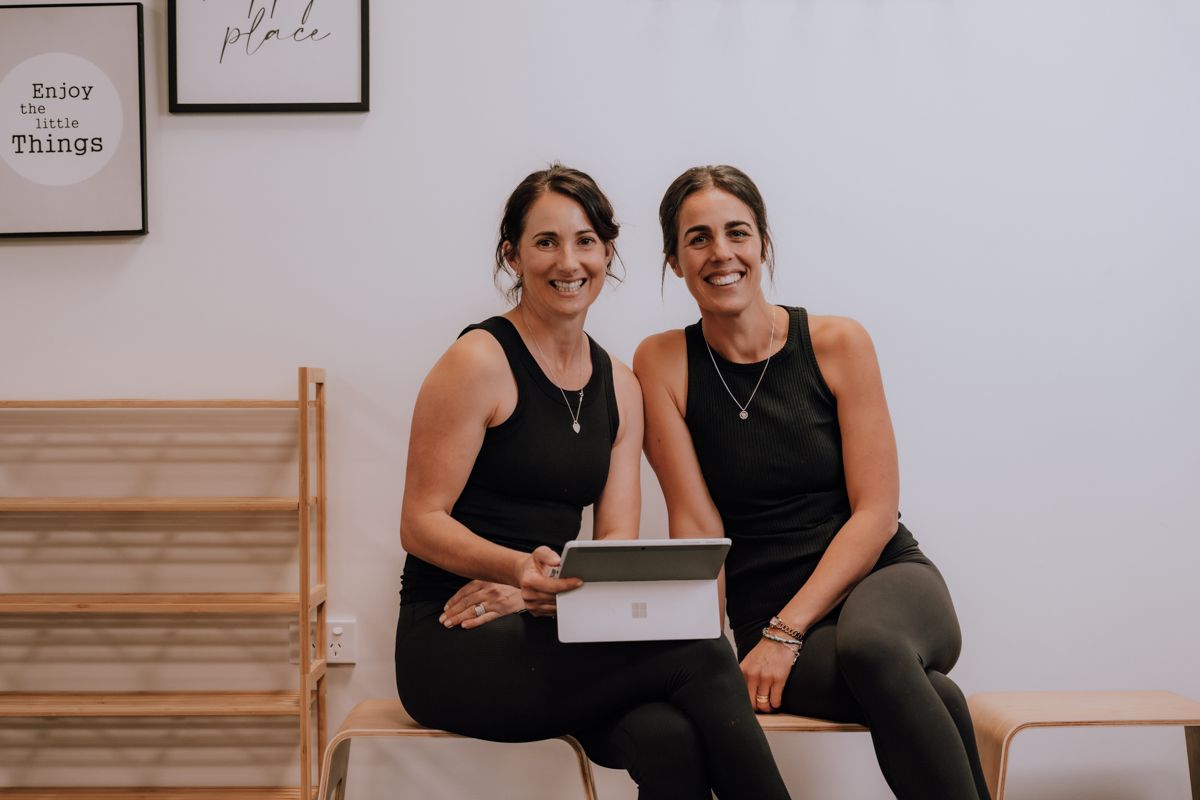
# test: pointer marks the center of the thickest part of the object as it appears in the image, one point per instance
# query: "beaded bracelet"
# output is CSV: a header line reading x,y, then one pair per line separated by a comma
x,y
767,633
780,625
792,644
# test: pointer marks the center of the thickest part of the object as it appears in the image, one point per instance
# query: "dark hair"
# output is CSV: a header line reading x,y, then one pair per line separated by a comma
x,y
570,183
727,179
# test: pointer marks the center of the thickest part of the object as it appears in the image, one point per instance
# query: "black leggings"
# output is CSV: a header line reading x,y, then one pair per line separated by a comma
x,y
675,714
881,659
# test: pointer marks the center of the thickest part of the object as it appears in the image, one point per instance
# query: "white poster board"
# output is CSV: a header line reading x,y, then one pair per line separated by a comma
x,y
267,55
72,120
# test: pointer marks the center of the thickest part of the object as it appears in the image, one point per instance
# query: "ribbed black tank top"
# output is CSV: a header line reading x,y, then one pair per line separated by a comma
x,y
533,474
777,478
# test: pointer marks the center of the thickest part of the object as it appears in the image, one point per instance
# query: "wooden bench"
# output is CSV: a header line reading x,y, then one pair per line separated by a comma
x,y
388,718
790,723
999,716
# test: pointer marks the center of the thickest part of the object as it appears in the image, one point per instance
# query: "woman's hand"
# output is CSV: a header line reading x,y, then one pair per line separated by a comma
x,y
766,669
537,589
496,599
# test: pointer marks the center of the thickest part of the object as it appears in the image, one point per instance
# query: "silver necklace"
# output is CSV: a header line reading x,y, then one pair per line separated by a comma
x,y
578,408
743,410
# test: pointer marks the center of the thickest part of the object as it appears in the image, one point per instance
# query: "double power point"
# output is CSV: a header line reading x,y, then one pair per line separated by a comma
x,y
340,641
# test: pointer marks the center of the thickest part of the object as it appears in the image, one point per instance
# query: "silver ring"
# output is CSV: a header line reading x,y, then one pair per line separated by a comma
x,y
761,698
480,610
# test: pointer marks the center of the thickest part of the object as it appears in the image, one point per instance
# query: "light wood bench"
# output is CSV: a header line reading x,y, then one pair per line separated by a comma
x,y
999,716
791,723
388,718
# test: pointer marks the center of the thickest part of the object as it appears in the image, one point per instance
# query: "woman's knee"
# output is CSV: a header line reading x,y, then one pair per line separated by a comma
x,y
951,696
871,653
911,603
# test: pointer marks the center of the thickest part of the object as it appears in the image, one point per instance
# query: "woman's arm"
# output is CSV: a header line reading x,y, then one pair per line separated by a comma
x,y
847,361
851,370
660,364
469,389
615,515
618,511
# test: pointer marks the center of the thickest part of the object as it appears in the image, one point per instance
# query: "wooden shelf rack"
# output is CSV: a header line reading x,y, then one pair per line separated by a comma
x,y
213,793
189,505
305,702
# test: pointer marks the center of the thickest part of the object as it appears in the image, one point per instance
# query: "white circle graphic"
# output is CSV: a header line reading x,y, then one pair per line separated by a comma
x,y
60,118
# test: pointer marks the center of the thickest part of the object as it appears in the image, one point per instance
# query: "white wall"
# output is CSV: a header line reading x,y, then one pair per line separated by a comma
x,y
1004,193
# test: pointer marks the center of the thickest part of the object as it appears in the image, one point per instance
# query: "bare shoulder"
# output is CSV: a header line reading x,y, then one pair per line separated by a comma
x,y
475,362
477,349
838,336
660,353
629,400
624,381
844,351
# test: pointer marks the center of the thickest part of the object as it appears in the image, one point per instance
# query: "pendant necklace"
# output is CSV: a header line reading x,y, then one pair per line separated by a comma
x,y
578,408
743,410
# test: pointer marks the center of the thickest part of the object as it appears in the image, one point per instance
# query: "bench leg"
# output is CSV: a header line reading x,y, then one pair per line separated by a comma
x,y
333,776
1192,735
993,757
585,768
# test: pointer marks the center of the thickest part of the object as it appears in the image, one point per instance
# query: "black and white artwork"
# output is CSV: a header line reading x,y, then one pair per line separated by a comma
x,y
72,120
267,55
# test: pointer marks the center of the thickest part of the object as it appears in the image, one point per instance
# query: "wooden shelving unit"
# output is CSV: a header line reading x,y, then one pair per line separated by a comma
x,y
215,793
190,505
149,704
217,603
305,702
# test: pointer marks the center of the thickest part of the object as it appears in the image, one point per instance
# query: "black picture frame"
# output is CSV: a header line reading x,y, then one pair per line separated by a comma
x,y
73,154
276,46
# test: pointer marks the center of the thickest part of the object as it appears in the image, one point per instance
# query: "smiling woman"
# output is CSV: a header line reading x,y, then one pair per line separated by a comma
x,y
522,423
784,444
595,219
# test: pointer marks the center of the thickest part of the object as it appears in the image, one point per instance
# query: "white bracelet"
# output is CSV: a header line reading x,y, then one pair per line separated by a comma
x,y
791,644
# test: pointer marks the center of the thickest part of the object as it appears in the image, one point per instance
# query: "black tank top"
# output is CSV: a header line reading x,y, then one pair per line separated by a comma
x,y
777,477
533,474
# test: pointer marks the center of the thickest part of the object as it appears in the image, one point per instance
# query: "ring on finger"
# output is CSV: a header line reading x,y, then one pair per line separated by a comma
x,y
480,610
761,698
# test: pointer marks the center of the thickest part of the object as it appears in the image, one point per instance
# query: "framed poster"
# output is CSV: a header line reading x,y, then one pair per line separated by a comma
x,y
267,55
72,120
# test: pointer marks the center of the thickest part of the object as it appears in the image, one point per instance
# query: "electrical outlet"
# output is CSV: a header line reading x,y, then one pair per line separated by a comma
x,y
340,640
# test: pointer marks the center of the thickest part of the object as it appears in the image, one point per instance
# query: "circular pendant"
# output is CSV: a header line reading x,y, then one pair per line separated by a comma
x,y
744,414
575,427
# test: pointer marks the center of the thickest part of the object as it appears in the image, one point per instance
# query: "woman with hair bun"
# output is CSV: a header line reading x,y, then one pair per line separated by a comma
x,y
522,423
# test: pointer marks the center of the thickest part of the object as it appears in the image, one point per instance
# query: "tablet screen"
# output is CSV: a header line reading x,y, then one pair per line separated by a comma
x,y
644,560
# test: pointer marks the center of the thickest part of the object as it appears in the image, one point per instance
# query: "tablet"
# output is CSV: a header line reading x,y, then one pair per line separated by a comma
x,y
641,590
643,559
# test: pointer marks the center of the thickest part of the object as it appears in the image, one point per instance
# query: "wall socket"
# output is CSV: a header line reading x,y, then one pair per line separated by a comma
x,y
342,647
340,639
